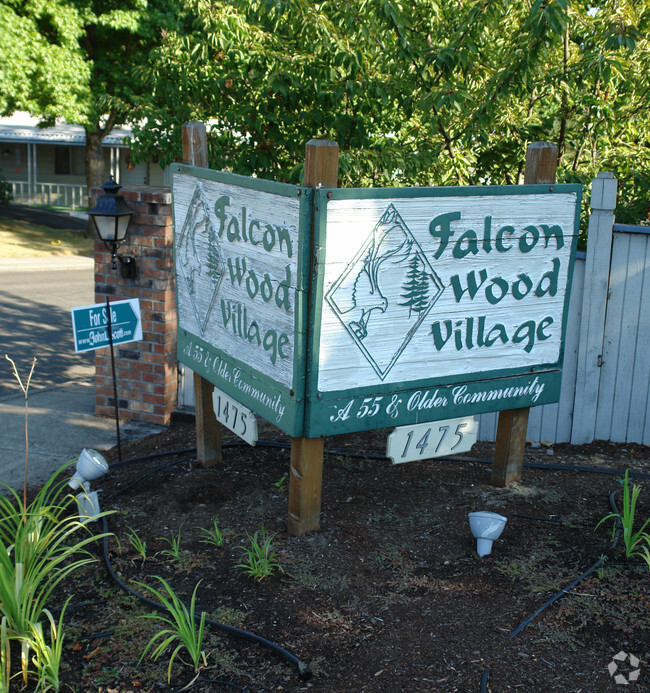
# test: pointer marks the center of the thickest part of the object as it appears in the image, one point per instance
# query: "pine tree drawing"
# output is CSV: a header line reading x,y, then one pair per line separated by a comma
x,y
416,287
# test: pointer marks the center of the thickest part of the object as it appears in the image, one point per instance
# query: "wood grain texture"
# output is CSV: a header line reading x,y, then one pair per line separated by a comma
x,y
306,466
594,307
208,429
396,344
305,484
541,164
509,446
321,164
195,144
238,271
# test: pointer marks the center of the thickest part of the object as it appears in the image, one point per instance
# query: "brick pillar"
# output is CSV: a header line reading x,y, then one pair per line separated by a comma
x,y
146,371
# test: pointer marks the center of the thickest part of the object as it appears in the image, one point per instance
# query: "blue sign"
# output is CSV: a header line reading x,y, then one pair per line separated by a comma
x,y
90,324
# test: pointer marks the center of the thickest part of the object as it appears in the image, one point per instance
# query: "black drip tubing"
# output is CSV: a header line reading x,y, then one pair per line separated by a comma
x,y
217,681
598,564
379,456
304,671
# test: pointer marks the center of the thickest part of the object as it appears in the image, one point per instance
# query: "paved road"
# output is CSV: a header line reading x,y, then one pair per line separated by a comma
x,y
44,217
36,296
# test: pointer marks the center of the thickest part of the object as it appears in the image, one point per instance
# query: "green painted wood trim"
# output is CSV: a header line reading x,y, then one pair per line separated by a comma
x,y
301,314
274,402
448,191
344,412
270,186
569,282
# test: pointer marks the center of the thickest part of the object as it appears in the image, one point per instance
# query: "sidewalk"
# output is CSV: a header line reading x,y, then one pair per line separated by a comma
x,y
39,264
61,422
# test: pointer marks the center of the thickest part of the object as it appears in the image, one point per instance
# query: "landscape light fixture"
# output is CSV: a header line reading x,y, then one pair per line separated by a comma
x,y
486,528
111,215
90,466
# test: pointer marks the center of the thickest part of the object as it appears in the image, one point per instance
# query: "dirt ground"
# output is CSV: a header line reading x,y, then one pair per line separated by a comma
x,y
390,595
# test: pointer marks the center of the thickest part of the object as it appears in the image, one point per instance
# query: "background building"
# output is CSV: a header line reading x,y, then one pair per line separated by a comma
x,y
46,166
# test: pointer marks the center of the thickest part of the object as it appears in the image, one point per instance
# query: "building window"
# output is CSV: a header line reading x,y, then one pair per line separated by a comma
x,y
63,161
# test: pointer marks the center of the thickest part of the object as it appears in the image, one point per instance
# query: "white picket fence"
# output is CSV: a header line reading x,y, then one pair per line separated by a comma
x,y
606,376
49,194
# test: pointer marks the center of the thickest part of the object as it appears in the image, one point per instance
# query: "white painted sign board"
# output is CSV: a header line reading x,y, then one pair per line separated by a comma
x,y
241,287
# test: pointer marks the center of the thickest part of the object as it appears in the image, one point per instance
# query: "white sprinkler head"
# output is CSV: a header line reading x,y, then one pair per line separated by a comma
x,y
486,527
90,466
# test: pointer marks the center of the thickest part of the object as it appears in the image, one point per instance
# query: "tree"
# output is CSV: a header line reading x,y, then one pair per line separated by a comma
x,y
73,59
416,286
426,92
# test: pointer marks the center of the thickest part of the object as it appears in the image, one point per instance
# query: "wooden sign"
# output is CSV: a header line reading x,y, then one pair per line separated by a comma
x,y
426,303
241,251
433,303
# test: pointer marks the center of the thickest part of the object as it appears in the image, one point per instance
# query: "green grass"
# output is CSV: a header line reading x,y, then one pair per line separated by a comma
x,y
22,239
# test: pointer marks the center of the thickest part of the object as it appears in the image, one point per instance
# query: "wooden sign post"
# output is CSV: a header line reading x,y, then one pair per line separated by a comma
x,y
306,471
208,429
541,165
329,311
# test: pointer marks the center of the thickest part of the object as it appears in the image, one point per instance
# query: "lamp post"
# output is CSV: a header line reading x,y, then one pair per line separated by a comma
x,y
111,215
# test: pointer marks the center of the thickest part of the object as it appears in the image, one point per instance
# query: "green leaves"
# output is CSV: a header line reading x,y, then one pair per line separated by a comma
x,y
637,541
182,627
258,560
40,546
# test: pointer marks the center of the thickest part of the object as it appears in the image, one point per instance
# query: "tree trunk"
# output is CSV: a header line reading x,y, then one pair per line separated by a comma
x,y
94,165
94,157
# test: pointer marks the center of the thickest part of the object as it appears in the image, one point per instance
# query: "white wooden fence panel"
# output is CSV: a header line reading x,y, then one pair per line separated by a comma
x,y
612,340
639,420
630,402
487,426
566,413
601,221
628,345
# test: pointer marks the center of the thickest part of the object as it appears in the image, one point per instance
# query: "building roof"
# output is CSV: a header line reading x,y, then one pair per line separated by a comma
x,y
21,127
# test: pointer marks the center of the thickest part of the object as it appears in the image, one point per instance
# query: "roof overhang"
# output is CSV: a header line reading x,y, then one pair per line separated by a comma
x,y
23,130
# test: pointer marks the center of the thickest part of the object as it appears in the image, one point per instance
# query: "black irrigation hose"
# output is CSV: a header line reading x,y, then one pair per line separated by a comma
x,y
379,456
555,597
565,590
222,683
135,482
152,456
598,564
304,671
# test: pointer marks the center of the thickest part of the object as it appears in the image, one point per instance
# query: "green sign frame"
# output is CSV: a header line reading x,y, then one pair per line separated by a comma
x,y
423,233
250,380
442,395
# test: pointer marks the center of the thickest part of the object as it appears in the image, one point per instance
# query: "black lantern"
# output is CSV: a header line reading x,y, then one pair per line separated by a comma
x,y
111,215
